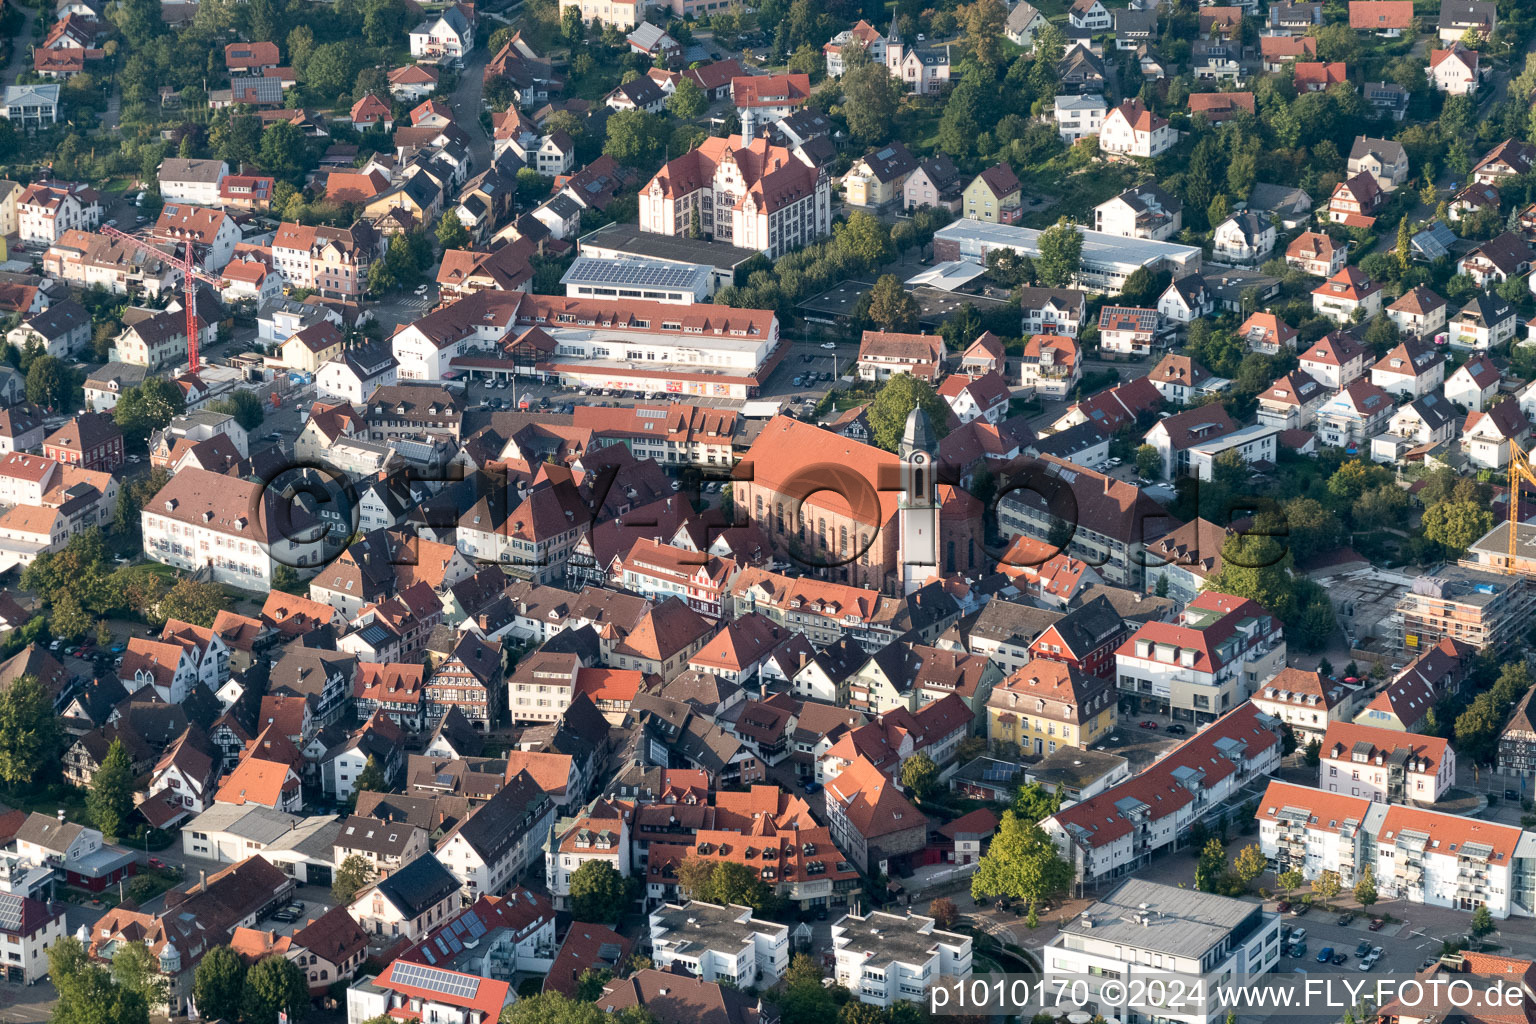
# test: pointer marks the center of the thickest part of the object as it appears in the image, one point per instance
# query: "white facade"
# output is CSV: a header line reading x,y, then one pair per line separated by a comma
x,y
719,944
1079,117
1421,856
1200,941
884,958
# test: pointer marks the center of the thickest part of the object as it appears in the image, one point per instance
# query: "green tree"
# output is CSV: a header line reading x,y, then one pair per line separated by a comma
x,y
983,24
871,98
598,892
194,602
920,774
1256,567
552,1007
87,993
49,382
1403,251
589,987
1249,864
1313,753
688,100
1456,524
1149,464
372,779
1211,867
352,876
632,137
1289,879
1022,863
137,971
275,985
148,407
864,240
219,983
451,233
891,306
1482,920
1326,885
110,799
332,69
380,280
726,882
29,731
1365,889
894,402
67,620
138,20
1061,254
282,151
244,406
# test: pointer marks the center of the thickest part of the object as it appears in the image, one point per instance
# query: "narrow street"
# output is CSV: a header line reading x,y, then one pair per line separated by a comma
x,y
21,47
465,103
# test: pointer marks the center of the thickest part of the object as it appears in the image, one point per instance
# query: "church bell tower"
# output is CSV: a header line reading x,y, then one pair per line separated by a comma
x,y
918,509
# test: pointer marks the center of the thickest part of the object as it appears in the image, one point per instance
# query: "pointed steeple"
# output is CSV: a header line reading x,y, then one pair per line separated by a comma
x,y
918,435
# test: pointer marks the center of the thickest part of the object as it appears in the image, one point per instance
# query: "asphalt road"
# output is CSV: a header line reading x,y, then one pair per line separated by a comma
x,y
465,102
21,47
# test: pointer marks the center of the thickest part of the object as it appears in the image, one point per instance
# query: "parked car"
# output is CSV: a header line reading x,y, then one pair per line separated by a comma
x,y
1377,924
829,344
1300,909
1363,948
1344,919
1299,935
1339,959
1299,950
1149,724
1177,730
1283,906
1325,954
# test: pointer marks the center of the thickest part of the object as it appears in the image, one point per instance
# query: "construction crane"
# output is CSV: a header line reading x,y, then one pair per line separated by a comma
x,y
189,276
1519,472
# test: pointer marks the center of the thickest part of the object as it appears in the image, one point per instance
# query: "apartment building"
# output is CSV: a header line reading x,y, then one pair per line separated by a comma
x,y
1487,610
1118,830
1198,941
1421,856
225,525
1309,702
885,958
1384,765
45,210
1046,706
332,261
746,192
719,944
1222,649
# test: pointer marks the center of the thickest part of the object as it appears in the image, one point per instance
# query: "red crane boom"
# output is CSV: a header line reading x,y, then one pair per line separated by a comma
x,y
189,275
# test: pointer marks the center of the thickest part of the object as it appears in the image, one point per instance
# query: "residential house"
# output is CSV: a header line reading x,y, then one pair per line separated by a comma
x,y
1341,295
1315,253
1418,311
1413,368
1132,130
1354,415
1384,160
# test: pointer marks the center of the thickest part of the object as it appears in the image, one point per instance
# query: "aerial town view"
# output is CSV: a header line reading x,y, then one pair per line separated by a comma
x,y
768,511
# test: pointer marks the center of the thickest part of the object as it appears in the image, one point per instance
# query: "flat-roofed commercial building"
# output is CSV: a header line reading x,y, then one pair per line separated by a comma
x,y
593,277
1107,259
1195,939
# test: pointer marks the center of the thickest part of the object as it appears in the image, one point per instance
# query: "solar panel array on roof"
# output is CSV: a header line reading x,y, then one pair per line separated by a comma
x,y
433,979
636,273
11,908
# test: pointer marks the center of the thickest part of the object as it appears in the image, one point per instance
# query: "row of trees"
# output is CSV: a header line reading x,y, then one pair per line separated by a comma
x,y
224,988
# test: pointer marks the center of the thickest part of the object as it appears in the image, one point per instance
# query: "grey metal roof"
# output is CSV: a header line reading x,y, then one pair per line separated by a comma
x,y
1184,922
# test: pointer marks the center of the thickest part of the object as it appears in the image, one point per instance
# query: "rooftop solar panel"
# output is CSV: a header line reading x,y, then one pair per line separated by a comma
x,y
434,979
634,273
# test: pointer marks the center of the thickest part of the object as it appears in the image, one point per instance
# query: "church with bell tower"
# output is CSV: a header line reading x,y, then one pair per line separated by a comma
x,y
917,513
